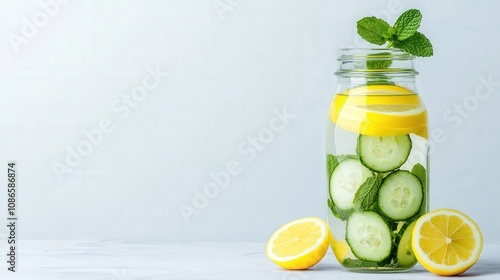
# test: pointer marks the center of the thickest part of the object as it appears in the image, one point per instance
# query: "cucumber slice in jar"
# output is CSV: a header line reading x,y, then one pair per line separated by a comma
x,y
345,181
369,236
405,255
400,195
383,153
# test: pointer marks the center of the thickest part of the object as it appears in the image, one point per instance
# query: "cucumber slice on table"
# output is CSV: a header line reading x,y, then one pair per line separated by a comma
x,y
345,181
369,236
383,153
405,255
400,195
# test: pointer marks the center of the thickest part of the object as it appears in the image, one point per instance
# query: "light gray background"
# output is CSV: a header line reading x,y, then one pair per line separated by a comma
x,y
230,70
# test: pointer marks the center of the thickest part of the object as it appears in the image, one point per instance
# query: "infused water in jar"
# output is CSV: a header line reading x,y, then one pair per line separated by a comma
x,y
377,160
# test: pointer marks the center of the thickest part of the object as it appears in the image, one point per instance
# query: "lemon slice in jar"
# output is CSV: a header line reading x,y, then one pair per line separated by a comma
x,y
379,110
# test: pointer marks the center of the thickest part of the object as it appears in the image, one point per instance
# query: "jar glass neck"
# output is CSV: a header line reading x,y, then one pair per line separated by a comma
x,y
345,83
364,66
373,62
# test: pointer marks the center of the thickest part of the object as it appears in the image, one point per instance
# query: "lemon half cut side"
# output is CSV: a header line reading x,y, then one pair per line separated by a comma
x,y
447,242
299,244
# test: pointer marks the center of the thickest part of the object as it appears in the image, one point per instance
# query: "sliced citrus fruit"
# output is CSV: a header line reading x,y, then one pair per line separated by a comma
x,y
446,242
379,110
299,244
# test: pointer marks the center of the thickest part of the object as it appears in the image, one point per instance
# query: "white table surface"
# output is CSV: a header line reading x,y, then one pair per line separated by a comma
x,y
114,260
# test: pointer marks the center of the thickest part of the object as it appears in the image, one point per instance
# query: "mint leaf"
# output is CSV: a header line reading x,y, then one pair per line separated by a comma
x,y
355,263
419,171
331,163
374,30
407,24
373,63
417,45
378,64
333,208
366,195
339,213
380,81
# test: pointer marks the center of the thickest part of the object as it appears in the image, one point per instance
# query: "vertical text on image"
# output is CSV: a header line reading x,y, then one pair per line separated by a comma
x,y
12,223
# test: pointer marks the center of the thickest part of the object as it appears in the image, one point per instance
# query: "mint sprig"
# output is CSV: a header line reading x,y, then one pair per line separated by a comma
x,y
402,35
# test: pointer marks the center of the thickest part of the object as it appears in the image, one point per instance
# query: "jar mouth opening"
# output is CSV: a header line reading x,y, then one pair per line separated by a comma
x,y
375,61
378,73
373,54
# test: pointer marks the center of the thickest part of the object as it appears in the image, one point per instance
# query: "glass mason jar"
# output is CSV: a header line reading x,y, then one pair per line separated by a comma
x,y
377,160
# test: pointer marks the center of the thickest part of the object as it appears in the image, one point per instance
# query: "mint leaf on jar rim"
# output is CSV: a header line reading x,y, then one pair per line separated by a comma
x,y
407,24
402,35
417,45
374,30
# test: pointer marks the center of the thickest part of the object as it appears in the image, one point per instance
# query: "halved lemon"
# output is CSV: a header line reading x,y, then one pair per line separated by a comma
x,y
299,244
447,242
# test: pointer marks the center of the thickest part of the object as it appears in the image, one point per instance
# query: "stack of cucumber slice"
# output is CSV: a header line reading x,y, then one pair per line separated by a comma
x,y
378,200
